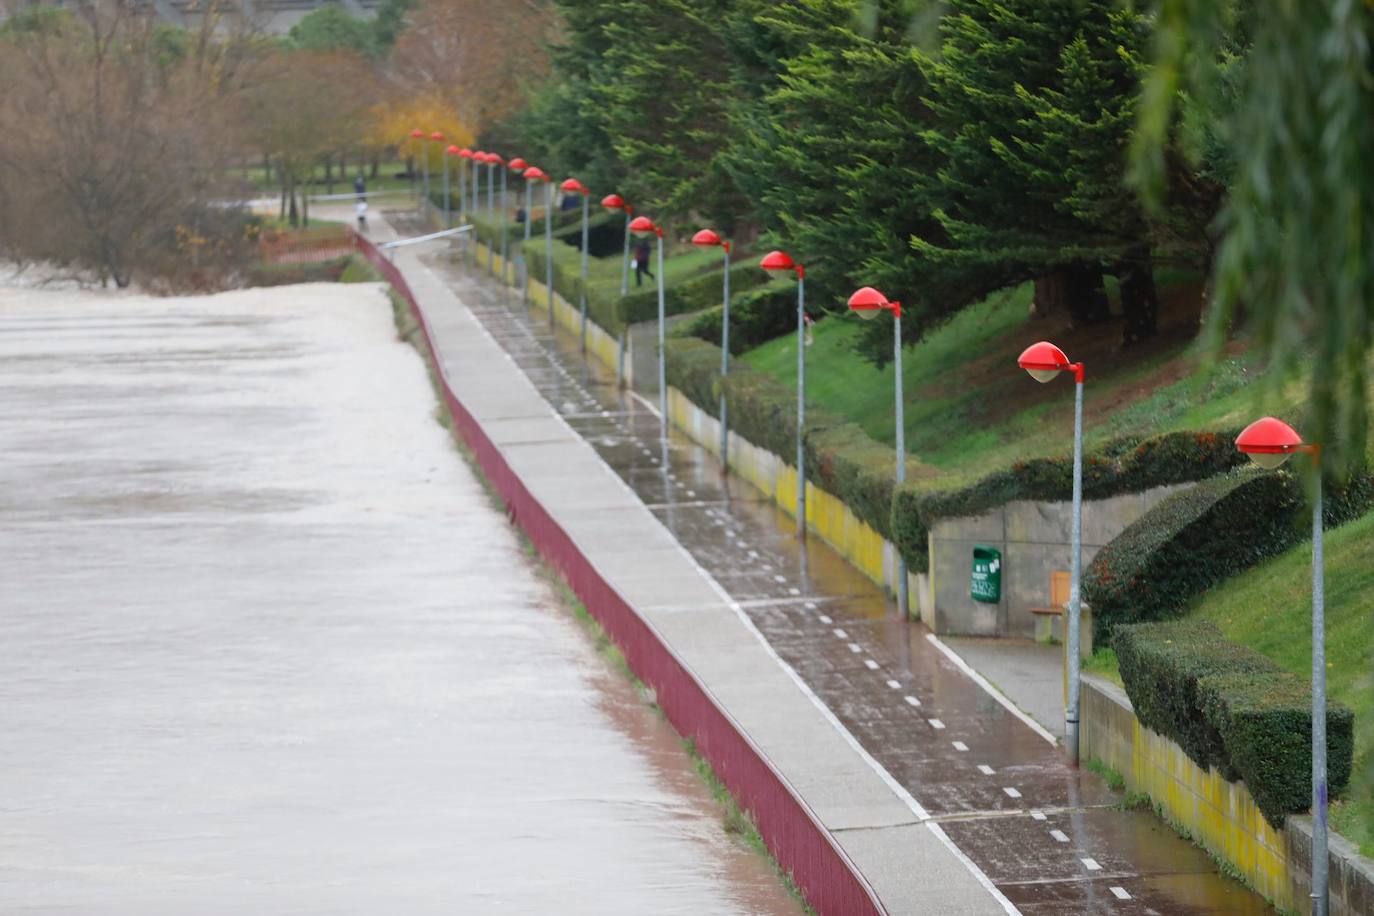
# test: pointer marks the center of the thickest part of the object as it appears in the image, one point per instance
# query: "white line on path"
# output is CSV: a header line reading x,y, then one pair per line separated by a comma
x,y
1059,836
936,724
1120,893
840,634
1037,815
978,874
985,769
1012,791
960,746
825,620
872,665
992,691
894,685
855,648
912,701
1091,864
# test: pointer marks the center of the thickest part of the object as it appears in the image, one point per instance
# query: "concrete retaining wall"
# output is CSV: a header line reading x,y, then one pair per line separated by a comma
x,y
1034,540
1220,815
826,515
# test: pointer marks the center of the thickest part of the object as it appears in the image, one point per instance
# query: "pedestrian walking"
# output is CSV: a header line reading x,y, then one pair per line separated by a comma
x,y
642,263
359,186
362,215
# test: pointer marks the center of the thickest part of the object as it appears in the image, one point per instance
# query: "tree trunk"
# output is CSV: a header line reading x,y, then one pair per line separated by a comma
x,y
1075,289
293,215
376,166
281,177
328,174
1139,299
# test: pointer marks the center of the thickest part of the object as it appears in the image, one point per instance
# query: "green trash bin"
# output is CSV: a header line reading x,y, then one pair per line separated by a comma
x,y
985,584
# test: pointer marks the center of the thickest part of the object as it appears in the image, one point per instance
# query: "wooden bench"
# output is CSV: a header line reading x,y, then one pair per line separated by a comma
x,y
1049,621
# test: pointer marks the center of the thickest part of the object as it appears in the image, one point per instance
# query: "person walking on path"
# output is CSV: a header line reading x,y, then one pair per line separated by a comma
x,y
642,263
359,186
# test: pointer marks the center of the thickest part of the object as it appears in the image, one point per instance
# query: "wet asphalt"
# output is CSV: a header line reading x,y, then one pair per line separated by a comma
x,y
1051,838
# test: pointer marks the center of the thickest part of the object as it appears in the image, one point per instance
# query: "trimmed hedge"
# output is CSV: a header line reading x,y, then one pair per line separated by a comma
x,y
756,316
1196,538
1127,465
1232,708
289,274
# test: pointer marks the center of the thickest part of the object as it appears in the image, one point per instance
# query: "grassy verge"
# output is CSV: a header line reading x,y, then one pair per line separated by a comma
x,y
1269,608
970,410
735,821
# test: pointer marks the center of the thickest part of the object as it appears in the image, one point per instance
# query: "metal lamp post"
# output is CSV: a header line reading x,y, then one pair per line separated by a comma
x,y
548,245
448,194
1044,361
478,157
708,238
533,175
419,135
868,304
436,137
616,202
573,186
518,166
1270,442
780,264
643,227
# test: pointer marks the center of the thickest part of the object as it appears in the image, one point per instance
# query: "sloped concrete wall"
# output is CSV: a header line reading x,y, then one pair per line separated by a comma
x,y
1034,540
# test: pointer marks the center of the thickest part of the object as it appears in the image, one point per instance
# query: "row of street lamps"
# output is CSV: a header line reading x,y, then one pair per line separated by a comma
x,y
1269,442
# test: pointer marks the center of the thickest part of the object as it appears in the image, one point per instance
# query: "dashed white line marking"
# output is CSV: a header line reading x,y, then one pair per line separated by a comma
x,y
912,701
855,648
840,634
753,554
985,769
766,567
872,665
1011,791
894,685
1059,836
1120,893
779,578
992,691
1037,815
936,724
794,591
824,619
693,493
961,747
810,605
1091,864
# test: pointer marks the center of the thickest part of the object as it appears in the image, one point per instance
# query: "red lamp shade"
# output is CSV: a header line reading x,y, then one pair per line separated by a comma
x,y
613,202
535,173
417,134
573,186
778,263
868,303
465,153
1043,361
453,150
1269,442
707,238
437,136
518,165
642,226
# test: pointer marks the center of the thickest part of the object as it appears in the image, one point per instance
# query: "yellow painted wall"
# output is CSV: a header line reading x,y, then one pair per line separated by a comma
x,y
1221,815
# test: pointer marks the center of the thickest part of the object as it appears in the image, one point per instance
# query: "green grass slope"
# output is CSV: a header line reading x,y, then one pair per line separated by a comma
x,y
1269,608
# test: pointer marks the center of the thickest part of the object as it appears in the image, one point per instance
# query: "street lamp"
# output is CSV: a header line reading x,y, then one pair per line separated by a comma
x,y
419,135
448,195
1270,442
868,304
518,166
533,175
780,264
493,160
708,238
573,186
643,227
616,202
478,157
438,138
1044,361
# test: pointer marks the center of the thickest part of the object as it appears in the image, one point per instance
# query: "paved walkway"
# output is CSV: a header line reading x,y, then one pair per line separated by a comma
x,y
1042,837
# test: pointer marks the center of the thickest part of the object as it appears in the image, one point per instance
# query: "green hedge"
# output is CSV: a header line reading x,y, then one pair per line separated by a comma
x,y
1127,465
756,316
1196,538
289,274
1231,708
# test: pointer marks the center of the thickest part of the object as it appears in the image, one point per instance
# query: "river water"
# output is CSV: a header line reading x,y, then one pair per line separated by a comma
x,y
267,646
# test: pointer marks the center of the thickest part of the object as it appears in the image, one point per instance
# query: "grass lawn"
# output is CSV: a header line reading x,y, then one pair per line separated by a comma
x,y
386,180
970,410
1269,609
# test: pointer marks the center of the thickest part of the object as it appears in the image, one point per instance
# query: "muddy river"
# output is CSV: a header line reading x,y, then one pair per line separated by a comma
x,y
267,646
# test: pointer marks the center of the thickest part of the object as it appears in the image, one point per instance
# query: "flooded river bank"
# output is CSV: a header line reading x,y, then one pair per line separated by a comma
x,y
266,646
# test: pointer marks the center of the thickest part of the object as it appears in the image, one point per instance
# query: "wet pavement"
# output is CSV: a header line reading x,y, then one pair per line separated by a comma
x,y
1052,839
267,646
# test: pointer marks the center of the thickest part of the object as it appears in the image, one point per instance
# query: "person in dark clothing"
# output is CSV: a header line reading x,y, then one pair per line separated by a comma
x,y
359,186
642,263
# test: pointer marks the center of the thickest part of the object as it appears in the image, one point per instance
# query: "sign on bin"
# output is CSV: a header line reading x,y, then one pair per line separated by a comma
x,y
985,585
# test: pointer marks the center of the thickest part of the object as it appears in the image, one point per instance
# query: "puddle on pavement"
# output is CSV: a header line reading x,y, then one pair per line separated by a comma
x,y
267,647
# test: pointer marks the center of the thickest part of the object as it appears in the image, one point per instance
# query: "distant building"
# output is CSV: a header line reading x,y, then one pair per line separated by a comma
x,y
275,17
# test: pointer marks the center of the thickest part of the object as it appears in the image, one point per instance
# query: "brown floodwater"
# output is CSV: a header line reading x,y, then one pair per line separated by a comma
x,y
266,645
